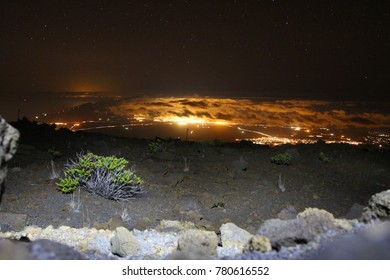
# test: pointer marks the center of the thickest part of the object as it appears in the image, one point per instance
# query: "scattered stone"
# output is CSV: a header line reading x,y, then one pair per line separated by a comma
x,y
143,223
205,224
199,242
258,243
233,236
12,222
174,226
288,213
113,223
9,137
124,243
378,207
303,229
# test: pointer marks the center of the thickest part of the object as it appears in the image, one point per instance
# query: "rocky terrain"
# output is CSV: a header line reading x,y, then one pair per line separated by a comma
x,y
202,200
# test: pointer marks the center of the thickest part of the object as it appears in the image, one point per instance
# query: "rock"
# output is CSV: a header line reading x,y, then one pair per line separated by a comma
x,y
124,243
37,250
175,226
198,242
12,222
49,250
233,236
378,207
113,223
143,223
288,213
95,242
258,243
9,137
370,243
156,245
303,229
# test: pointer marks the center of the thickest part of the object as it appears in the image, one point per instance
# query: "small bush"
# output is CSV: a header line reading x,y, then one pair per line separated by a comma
x,y
282,159
322,157
104,176
154,146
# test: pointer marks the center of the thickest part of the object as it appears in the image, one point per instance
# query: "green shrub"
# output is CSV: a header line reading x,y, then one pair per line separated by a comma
x,y
322,157
157,145
282,159
105,176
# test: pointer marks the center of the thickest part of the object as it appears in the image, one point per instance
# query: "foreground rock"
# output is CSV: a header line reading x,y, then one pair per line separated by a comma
x,y
310,223
124,243
9,137
313,234
38,250
200,241
378,207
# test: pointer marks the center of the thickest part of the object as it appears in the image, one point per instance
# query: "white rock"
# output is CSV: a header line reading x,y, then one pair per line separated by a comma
x,y
233,236
124,243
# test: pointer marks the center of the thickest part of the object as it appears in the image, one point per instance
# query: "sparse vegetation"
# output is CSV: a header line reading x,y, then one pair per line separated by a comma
x,y
53,174
104,176
75,202
282,159
282,183
54,153
322,157
155,145
186,164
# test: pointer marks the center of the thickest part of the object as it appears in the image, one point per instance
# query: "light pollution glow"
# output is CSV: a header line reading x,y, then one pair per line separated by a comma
x,y
298,114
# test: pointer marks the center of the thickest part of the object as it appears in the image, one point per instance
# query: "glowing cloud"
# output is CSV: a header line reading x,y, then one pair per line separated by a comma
x,y
226,111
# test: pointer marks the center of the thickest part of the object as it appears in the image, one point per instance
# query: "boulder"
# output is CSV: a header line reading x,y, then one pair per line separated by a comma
x,y
9,137
378,207
303,229
198,242
124,243
233,236
258,243
372,242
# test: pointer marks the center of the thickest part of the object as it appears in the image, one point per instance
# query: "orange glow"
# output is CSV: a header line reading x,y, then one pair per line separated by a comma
x,y
302,114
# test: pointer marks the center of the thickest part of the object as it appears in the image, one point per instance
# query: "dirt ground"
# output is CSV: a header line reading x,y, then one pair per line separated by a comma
x,y
225,182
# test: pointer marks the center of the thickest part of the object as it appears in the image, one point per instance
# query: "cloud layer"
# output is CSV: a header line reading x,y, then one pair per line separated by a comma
x,y
302,113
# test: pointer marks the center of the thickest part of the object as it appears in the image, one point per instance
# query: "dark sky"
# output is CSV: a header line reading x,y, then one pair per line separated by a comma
x,y
297,48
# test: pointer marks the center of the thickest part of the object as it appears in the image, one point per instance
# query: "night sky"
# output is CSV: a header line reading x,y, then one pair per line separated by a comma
x,y
298,49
